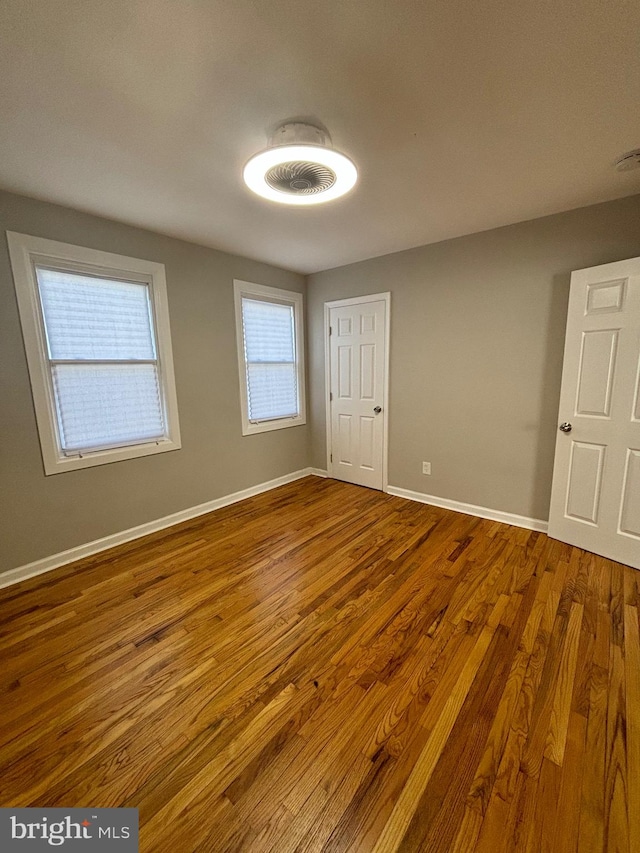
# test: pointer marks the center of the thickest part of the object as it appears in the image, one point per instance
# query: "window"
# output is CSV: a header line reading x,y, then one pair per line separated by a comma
x,y
96,332
271,357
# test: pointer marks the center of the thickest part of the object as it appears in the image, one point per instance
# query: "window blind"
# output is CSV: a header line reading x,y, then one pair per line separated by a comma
x,y
102,356
270,354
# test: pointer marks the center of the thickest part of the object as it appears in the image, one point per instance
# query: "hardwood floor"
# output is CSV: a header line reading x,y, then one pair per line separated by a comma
x,y
327,668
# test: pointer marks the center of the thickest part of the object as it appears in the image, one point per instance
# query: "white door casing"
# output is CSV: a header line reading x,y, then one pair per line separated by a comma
x,y
595,499
357,336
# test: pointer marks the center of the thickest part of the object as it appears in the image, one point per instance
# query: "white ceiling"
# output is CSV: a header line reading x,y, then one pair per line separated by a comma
x,y
461,115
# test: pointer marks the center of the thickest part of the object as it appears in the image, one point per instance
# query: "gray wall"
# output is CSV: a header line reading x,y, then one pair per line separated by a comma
x,y
477,338
42,515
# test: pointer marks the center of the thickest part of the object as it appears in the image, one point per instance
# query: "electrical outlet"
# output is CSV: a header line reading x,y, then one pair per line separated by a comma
x,y
426,467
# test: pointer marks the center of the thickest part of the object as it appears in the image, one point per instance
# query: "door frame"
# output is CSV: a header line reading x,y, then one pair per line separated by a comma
x,y
339,303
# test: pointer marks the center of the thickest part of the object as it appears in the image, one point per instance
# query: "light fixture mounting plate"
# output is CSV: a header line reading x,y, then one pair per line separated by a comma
x,y
299,133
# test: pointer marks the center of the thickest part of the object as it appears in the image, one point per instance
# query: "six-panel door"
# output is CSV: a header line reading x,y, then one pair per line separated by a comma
x,y
595,501
357,342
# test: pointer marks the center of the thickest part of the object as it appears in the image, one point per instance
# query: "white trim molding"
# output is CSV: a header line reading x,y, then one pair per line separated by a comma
x,y
294,300
471,509
28,254
55,561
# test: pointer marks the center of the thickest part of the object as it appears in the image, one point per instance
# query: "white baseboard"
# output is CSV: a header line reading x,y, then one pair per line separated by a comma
x,y
318,472
471,509
46,564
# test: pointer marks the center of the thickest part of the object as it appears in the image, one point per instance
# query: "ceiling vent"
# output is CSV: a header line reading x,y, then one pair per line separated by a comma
x,y
628,161
300,167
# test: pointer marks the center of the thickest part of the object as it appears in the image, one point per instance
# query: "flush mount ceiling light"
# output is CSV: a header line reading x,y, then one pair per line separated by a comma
x,y
628,161
300,167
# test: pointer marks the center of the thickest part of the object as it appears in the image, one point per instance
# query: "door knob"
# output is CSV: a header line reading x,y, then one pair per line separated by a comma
x,y
377,410
565,427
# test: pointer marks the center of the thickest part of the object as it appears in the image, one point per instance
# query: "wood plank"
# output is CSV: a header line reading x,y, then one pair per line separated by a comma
x,y
592,815
557,736
632,691
616,803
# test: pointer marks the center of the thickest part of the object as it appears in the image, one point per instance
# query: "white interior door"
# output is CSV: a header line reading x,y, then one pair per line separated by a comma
x,y
357,386
595,500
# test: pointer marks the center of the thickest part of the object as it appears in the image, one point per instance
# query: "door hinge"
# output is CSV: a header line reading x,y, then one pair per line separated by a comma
x,y
330,396
331,457
330,330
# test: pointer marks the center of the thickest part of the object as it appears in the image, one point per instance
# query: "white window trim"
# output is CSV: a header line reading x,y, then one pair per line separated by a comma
x,y
25,251
287,297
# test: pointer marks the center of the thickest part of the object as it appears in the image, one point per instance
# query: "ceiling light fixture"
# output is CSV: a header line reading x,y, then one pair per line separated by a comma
x,y
628,161
300,167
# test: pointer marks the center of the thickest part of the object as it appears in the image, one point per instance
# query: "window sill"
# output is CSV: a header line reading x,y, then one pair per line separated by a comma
x,y
103,457
267,426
